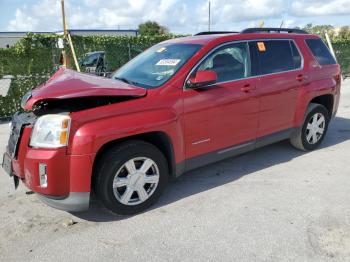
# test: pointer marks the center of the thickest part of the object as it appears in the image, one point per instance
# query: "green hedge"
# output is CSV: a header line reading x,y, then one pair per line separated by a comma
x,y
35,57
19,86
342,53
119,50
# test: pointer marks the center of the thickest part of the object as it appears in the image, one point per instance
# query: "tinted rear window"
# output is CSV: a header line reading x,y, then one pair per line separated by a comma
x,y
320,51
275,56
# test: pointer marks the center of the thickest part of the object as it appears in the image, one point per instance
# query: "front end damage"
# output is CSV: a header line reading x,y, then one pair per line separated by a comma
x,y
49,172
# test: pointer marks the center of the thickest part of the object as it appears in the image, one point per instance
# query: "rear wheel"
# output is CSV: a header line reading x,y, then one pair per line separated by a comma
x,y
314,129
130,177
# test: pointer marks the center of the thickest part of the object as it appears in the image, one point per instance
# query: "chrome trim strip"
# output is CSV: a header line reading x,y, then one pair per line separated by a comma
x,y
201,141
240,41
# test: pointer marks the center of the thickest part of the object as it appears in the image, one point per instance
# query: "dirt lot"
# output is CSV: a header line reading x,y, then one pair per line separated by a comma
x,y
274,204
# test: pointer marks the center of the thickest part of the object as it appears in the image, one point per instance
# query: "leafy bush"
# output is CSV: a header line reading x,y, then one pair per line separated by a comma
x,y
19,86
342,53
35,57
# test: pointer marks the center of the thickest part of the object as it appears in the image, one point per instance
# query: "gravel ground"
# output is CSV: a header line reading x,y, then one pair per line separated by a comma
x,y
274,204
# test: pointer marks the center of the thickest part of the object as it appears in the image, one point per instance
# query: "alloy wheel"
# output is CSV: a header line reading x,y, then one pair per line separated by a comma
x,y
315,128
136,181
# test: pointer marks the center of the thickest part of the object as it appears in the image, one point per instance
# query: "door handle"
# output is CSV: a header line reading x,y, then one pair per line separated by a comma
x,y
301,78
246,88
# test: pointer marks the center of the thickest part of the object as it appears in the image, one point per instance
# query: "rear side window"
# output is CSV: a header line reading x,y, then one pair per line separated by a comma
x,y
275,56
320,51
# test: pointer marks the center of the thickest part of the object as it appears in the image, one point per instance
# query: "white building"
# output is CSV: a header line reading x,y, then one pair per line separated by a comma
x,y
8,39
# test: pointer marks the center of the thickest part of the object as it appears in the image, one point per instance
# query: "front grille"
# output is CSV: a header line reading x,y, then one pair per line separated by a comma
x,y
19,121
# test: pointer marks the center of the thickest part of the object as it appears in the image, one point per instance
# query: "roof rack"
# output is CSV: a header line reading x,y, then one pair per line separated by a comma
x,y
273,29
215,32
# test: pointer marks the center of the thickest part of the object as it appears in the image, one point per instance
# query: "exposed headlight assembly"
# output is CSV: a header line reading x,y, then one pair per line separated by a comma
x,y
50,131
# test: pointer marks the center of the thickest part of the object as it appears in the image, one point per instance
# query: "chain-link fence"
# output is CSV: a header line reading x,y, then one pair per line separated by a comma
x,y
35,58
31,61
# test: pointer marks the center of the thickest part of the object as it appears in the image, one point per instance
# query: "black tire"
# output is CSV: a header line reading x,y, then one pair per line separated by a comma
x,y
100,71
299,139
113,160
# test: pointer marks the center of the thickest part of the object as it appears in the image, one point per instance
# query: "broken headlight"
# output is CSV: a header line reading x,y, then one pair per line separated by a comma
x,y
51,131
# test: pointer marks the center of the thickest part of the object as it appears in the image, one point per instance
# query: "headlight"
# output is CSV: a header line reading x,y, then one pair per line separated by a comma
x,y
51,131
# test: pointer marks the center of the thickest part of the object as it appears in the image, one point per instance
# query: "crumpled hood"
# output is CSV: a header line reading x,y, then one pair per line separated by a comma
x,y
66,84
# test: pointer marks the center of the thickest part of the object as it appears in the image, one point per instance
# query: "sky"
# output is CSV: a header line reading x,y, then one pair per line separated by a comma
x,y
180,16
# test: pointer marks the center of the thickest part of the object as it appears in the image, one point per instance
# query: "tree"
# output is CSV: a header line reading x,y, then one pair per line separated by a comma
x,y
152,28
344,32
320,29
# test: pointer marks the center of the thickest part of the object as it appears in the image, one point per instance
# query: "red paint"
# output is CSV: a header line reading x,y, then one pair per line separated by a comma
x,y
67,83
197,121
204,77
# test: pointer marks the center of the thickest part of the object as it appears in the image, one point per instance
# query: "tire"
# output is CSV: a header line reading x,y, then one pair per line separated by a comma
x,y
119,171
304,139
100,71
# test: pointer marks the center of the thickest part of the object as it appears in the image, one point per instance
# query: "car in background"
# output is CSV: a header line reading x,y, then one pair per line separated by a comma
x,y
94,63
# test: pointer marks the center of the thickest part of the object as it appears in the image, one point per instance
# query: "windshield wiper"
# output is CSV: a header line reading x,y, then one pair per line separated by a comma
x,y
124,80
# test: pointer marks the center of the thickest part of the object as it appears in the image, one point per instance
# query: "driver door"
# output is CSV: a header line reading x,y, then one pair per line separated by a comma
x,y
221,118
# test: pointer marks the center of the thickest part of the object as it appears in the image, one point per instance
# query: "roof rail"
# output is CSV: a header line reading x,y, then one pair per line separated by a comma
x,y
215,32
273,29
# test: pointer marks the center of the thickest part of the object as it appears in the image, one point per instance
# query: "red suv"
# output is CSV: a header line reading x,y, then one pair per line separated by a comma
x,y
181,104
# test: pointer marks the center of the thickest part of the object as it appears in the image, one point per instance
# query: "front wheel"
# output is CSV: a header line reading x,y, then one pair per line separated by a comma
x,y
314,129
130,177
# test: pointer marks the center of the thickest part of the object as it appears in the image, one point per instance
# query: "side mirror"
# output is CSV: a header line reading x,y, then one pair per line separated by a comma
x,y
202,78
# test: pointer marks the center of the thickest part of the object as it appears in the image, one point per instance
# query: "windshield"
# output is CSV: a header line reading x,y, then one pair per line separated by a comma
x,y
156,65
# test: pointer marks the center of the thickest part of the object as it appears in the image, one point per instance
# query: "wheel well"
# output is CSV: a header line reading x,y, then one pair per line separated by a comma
x,y
158,139
325,100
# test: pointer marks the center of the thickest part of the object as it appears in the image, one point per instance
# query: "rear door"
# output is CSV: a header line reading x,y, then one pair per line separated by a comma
x,y
281,77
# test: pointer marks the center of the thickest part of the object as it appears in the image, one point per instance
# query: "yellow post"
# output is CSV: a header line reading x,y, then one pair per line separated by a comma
x,y
64,19
69,38
73,52
64,58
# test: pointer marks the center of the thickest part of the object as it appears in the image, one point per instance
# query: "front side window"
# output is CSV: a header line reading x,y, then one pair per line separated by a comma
x,y
156,65
275,56
229,62
320,52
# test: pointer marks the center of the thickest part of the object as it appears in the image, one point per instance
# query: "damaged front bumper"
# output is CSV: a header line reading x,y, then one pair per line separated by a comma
x,y
7,166
66,186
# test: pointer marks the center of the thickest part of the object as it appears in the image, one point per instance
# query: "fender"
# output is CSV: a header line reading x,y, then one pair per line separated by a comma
x,y
90,137
310,91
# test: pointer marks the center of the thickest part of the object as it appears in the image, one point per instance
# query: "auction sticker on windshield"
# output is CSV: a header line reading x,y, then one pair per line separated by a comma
x,y
168,62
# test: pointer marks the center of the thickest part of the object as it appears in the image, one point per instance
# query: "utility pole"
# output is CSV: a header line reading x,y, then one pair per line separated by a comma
x,y
209,17
64,55
68,36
